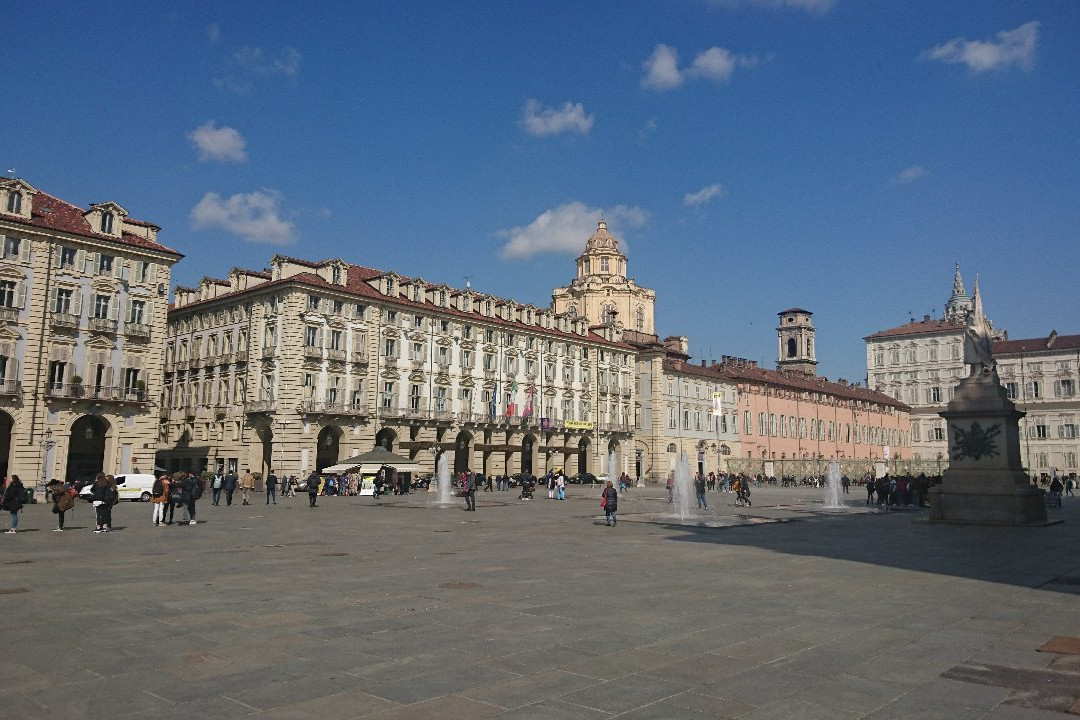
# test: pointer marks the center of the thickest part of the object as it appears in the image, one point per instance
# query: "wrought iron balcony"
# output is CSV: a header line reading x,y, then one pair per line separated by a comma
x,y
9,314
336,355
10,387
327,407
312,353
259,406
79,391
269,351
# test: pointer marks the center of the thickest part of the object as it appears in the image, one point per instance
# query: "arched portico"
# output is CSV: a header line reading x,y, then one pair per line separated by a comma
x,y
7,423
528,450
583,455
462,452
329,447
86,448
386,438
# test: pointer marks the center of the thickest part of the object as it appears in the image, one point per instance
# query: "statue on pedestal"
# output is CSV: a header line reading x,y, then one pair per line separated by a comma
x,y
978,338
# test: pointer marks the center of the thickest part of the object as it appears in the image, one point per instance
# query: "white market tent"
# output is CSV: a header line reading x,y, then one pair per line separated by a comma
x,y
372,461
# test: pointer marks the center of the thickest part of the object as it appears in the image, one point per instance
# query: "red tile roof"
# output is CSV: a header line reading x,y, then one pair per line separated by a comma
x,y
1033,345
790,381
356,284
54,214
921,327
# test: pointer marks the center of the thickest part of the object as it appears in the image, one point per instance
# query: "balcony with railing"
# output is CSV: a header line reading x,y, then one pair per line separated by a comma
x,y
336,355
105,325
241,356
137,330
65,321
418,363
359,357
10,388
334,407
259,406
312,353
101,393
9,314
269,352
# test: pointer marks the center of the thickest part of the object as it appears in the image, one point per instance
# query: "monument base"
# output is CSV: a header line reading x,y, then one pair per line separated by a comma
x,y
990,505
985,482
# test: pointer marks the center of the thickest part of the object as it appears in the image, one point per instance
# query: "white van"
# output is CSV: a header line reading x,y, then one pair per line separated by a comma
x,y
130,487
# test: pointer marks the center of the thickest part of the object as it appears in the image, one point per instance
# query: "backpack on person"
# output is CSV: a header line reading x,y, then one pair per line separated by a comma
x,y
196,489
158,489
176,492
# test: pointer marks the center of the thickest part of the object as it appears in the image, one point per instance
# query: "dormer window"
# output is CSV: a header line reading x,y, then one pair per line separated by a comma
x,y
442,298
336,275
389,286
416,294
107,223
14,203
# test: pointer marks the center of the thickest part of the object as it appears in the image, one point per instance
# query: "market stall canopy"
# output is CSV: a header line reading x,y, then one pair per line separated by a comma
x,y
372,461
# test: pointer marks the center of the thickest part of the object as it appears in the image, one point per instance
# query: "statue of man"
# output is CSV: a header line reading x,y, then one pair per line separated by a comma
x,y
978,337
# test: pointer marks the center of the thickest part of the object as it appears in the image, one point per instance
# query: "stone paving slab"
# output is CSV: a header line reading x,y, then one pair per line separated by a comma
x,y
537,610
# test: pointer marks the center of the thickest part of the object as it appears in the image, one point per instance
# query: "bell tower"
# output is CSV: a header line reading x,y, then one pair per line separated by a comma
x,y
797,352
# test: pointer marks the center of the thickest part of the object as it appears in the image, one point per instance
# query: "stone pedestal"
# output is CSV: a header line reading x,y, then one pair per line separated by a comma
x,y
985,482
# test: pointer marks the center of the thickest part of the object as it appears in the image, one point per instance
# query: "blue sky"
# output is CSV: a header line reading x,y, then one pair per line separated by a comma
x,y
837,155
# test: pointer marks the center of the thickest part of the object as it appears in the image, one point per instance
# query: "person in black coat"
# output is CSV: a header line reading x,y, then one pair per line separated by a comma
x,y
104,496
470,491
229,485
312,488
14,493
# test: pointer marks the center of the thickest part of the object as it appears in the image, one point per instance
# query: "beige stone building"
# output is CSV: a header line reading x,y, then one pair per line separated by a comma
x,y
921,362
83,295
307,363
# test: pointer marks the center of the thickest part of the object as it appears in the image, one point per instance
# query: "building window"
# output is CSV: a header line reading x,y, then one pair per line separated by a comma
x,y
466,331
417,351
1068,430
107,223
335,339
313,302
1042,432
1070,459
57,371
14,203
390,348
311,336
136,316
414,397
933,395
1010,390
7,293
67,258
11,246
105,264
1042,460
939,434
1034,389
388,395
63,301
143,273
336,275
604,265
1066,388
101,306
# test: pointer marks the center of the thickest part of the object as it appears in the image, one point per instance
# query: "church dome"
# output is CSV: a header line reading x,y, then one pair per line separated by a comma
x,y
601,241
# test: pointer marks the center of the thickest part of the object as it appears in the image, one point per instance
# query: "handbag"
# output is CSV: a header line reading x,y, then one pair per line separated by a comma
x,y
603,502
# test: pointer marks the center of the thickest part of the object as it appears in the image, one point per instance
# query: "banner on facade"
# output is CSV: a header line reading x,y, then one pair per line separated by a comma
x,y
578,425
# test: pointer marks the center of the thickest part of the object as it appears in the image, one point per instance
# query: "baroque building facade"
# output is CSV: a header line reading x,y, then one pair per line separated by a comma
x,y
308,363
83,296
921,362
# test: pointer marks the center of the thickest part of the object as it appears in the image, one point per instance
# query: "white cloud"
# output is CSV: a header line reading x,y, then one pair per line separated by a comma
x,y
1011,47
662,69
256,217
253,63
218,143
565,229
647,129
909,175
811,6
716,63
704,195
541,121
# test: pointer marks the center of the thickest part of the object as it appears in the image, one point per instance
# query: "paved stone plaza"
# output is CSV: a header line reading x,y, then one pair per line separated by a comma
x,y
390,609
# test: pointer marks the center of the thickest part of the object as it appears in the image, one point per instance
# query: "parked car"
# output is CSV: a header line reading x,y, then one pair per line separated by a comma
x,y
583,479
129,487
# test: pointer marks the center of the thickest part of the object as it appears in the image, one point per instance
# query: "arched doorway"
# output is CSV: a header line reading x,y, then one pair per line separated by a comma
x,y
528,444
6,424
462,447
329,445
266,459
385,438
583,455
86,448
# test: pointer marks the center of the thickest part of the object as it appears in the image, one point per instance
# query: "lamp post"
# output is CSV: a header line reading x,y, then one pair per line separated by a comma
x,y
284,424
47,445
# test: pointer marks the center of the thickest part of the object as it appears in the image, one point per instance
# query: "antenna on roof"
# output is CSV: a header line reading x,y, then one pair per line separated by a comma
x,y
468,282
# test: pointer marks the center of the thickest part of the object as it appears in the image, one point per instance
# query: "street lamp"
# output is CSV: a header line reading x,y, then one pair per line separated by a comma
x,y
284,424
47,445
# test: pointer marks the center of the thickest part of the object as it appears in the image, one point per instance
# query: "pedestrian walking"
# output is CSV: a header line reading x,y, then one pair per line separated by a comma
x,y
312,489
247,484
103,495
229,485
671,489
271,488
470,491
63,499
215,487
14,498
193,489
609,500
699,489
159,498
